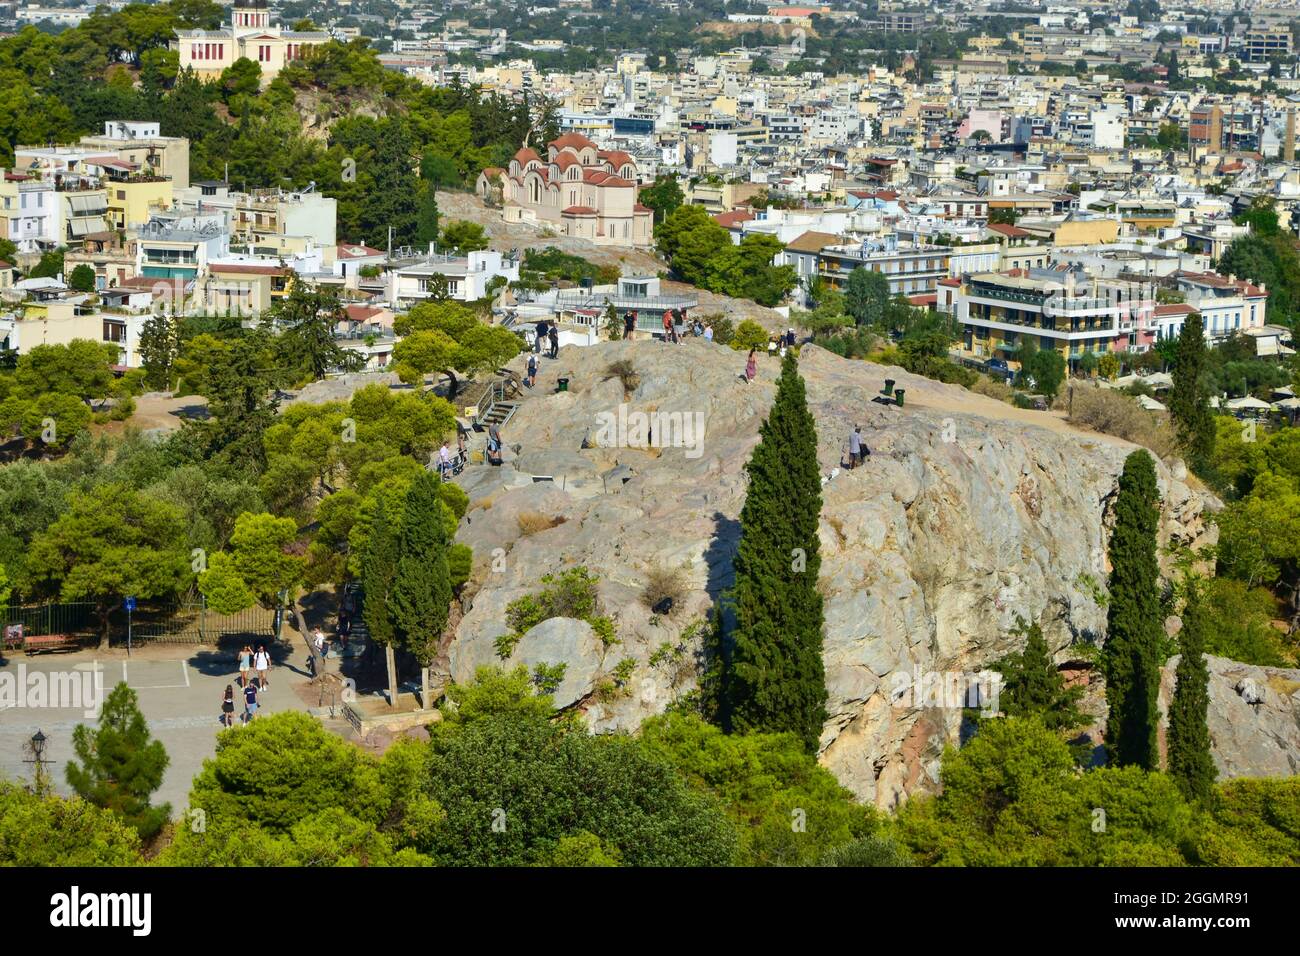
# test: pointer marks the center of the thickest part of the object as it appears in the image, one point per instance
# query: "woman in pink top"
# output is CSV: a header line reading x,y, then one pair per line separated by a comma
x,y
751,367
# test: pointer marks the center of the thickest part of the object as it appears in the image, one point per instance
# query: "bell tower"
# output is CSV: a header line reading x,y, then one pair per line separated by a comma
x,y
250,15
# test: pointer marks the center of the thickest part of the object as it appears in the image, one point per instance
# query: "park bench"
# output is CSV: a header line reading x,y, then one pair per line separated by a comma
x,y
34,643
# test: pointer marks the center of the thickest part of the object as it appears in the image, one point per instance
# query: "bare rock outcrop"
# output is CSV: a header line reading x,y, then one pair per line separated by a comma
x,y
967,514
1254,717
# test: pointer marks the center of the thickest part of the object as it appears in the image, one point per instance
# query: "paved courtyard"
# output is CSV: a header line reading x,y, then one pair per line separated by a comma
x,y
179,689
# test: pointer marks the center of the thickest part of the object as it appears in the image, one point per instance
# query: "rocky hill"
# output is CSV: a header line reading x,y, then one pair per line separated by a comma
x,y
967,514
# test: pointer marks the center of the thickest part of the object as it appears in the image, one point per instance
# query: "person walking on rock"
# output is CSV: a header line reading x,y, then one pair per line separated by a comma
x,y
751,366
554,335
855,447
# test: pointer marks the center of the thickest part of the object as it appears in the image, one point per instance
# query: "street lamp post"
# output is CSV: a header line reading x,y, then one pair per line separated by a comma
x,y
37,747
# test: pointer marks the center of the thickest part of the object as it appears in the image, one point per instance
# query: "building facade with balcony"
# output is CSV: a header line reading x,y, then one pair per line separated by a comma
x,y
463,278
999,311
911,270
179,248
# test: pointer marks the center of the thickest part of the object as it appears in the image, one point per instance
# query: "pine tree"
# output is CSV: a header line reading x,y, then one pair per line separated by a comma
x,y
120,765
776,680
1189,757
378,572
1130,657
421,594
1187,401
1032,686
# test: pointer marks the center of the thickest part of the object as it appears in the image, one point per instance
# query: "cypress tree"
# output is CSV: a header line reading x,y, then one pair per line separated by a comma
x,y
1190,762
776,679
1032,686
1188,406
1130,657
421,593
378,572
120,766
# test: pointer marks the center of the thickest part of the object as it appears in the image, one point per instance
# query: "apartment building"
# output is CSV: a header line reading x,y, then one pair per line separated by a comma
x,y
1227,305
179,248
28,212
999,311
143,145
464,278
1263,44
911,270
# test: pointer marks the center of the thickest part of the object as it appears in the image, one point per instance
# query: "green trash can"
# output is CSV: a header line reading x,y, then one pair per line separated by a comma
x,y
889,387
562,384
898,397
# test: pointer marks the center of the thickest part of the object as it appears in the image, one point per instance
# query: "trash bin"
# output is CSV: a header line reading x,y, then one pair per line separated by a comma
x,y
898,397
889,386
562,384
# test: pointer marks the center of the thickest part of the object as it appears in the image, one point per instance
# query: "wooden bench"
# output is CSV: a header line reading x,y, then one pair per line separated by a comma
x,y
34,643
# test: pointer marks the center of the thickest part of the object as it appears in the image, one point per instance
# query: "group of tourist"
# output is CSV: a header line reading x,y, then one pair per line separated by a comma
x,y
249,660
548,337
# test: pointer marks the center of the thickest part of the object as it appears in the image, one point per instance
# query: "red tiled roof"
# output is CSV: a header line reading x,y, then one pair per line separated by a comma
x,y
926,298
615,157
1011,232
361,313
950,281
579,211
637,207
1174,308
733,218
812,241
574,140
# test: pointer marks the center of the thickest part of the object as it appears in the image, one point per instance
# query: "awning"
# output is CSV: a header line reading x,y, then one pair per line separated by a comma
x,y
82,205
84,226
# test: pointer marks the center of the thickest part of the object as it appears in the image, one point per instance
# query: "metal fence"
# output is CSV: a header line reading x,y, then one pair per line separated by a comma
x,y
180,623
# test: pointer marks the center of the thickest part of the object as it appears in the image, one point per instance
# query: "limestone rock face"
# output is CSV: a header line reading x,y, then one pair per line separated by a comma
x,y
968,513
1254,717
560,640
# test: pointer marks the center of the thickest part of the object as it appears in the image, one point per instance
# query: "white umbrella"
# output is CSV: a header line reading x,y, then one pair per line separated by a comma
x,y
1248,403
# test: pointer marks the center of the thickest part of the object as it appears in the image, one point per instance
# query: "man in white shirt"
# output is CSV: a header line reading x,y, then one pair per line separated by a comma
x,y
262,664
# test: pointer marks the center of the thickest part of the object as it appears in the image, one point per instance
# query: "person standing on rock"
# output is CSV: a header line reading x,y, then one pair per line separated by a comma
x,y
708,333
855,447
751,366
539,336
532,371
629,324
668,325
554,335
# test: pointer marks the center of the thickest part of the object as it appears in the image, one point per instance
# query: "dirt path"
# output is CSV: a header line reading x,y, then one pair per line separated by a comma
x,y
972,403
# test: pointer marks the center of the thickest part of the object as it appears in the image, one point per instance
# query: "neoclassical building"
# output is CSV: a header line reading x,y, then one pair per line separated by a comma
x,y
249,35
579,189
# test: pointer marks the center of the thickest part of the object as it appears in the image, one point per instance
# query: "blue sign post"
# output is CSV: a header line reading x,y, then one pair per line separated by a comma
x,y
129,604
